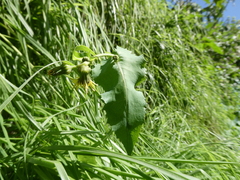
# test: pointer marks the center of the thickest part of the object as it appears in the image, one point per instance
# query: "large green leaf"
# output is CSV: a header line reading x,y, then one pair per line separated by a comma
x,y
123,103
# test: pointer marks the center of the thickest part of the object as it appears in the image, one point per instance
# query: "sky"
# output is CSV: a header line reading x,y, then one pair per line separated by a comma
x,y
233,9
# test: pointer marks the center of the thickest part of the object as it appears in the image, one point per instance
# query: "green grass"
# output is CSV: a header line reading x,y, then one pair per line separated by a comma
x,y
49,130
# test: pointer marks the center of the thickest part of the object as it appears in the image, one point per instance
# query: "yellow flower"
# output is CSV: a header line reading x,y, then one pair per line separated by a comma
x,y
84,81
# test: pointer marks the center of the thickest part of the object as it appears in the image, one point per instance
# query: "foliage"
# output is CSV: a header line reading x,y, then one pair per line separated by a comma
x,y
50,130
124,105
118,76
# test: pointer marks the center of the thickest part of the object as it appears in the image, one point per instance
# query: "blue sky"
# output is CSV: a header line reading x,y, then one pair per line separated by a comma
x,y
233,9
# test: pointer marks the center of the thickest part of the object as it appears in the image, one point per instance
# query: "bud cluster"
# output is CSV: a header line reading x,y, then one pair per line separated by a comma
x,y
83,70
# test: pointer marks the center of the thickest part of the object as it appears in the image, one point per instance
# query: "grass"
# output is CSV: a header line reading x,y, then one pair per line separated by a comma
x,y
49,130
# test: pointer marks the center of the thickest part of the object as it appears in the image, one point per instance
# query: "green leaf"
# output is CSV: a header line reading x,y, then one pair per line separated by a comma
x,y
81,51
49,164
214,47
83,150
210,43
219,3
9,99
123,103
207,1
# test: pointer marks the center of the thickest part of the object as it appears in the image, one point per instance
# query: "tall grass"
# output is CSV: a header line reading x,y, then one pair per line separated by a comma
x,y
49,130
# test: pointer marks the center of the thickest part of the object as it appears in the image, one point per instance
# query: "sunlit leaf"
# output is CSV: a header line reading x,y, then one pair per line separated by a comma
x,y
123,103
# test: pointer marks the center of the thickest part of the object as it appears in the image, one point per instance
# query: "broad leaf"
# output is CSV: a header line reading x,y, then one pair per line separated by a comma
x,y
124,105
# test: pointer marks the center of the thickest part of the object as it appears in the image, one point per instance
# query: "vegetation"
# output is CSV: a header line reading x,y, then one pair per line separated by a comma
x,y
51,130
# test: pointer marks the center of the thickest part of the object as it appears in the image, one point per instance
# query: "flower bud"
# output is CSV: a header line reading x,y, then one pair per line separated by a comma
x,y
83,68
84,79
65,68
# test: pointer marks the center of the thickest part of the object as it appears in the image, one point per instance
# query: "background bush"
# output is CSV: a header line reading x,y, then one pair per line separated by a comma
x,y
191,87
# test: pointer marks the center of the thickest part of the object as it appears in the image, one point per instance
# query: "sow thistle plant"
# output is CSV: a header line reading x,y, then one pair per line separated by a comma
x,y
117,74
83,70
